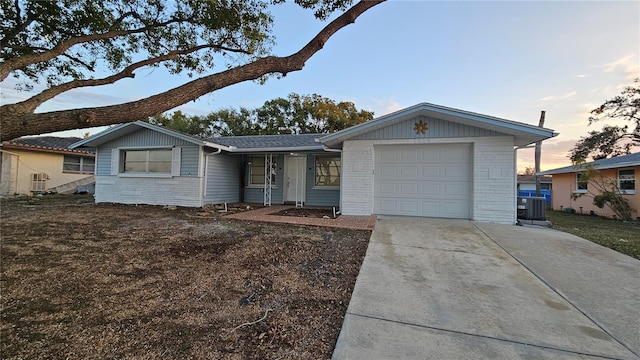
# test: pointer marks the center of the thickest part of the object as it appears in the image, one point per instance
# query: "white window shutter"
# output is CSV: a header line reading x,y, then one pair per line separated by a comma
x,y
115,161
175,161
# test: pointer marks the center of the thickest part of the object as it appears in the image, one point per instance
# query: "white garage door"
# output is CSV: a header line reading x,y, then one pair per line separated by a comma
x,y
423,180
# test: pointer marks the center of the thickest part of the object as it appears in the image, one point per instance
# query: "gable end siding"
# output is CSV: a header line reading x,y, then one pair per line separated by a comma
x,y
182,190
436,129
148,138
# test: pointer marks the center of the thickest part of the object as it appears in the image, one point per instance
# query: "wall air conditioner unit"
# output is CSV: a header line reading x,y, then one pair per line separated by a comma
x,y
531,208
39,182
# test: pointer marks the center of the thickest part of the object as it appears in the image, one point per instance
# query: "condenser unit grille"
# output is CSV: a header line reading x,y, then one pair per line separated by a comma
x,y
532,208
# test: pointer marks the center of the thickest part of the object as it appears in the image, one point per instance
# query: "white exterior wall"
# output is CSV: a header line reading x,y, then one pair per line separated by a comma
x,y
493,183
179,191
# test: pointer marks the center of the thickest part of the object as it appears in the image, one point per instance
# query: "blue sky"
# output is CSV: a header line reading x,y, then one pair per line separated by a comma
x,y
505,59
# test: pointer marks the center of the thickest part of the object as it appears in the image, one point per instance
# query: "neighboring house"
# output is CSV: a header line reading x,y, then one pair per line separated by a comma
x,y
33,165
528,183
426,160
623,170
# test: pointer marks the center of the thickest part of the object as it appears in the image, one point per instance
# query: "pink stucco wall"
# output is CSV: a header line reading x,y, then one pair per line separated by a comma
x,y
565,184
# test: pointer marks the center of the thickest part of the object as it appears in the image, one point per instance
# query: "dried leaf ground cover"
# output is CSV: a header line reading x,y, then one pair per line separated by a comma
x,y
84,281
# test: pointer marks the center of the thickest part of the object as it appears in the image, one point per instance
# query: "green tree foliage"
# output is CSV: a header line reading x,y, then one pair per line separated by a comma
x,y
68,44
297,114
612,140
194,125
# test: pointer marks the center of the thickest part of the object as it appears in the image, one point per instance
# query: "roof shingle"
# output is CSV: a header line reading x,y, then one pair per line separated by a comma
x,y
48,143
614,162
275,142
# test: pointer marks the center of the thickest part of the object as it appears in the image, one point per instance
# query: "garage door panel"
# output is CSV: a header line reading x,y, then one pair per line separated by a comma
x,y
408,206
423,180
456,155
456,173
409,189
391,155
388,171
408,172
431,155
431,190
387,189
407,155
432,173
387,206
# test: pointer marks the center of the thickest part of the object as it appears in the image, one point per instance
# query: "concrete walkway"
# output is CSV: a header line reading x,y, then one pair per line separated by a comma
x,y
455,289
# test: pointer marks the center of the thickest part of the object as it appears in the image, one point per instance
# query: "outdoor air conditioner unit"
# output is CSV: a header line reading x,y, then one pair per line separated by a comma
x,y
531,208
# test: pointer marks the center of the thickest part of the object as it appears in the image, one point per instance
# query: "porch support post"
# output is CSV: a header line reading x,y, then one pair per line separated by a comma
x,y
268,159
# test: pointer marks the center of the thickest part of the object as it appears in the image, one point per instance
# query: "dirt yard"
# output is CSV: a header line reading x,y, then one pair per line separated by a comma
x,y
82,281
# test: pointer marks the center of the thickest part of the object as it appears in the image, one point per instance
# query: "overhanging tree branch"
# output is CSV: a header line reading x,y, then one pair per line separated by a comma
x,y
29,105
14,125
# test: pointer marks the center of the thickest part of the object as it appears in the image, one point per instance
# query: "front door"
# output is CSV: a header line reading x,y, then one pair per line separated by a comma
x,y
296,176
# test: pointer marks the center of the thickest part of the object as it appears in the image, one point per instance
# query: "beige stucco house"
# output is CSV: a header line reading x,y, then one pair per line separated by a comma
x,y
35,165
623,170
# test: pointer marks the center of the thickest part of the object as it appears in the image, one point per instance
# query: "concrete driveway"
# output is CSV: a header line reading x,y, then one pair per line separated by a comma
x,y
456,289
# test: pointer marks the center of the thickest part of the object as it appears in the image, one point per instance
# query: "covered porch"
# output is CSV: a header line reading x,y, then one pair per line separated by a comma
x,y
272,170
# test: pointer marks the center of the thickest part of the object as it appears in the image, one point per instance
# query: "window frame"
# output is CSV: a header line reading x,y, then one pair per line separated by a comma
x,y
274,169
81,164
632,180
118,162
315,175
578,184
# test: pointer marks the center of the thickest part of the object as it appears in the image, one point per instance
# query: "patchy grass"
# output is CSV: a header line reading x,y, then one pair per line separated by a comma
x,y
618,235
80,280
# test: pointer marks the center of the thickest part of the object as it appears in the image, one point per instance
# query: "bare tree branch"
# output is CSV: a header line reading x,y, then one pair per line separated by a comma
x,y
32,103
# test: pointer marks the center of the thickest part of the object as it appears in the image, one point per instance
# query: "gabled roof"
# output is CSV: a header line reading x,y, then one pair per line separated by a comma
x,y
46,144
261,143
524,134
610,163
127,128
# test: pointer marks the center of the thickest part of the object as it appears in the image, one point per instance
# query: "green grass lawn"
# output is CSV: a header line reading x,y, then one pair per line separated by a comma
x,y
618,235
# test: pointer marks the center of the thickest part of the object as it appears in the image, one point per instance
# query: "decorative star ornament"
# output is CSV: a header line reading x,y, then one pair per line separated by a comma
x,y
421,127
